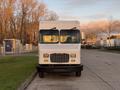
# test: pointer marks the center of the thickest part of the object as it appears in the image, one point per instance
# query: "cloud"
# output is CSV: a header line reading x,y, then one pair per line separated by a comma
x,y
67,17
89,17
96,16
85,19
86,10
114,6
81,2
77,3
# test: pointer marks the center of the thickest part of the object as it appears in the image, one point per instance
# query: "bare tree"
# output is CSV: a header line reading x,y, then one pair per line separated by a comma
x,y
50,16
20,18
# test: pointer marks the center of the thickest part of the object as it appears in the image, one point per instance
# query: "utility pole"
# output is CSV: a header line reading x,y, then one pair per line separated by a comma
x,y
110,22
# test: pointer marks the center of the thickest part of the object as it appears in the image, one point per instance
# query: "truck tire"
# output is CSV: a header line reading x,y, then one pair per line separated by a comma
x,y
78,74
41,74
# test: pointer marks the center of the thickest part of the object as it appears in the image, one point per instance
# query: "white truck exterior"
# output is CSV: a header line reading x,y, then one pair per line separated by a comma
x,y
60,56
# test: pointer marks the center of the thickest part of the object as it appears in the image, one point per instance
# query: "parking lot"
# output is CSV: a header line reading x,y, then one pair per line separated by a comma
x,y
101,72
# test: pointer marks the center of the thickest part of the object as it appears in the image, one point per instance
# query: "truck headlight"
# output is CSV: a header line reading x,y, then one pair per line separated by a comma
x,y
46,55
45,60
72,60
73,55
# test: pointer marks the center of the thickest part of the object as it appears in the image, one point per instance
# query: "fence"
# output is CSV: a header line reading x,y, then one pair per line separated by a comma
x,y
27,49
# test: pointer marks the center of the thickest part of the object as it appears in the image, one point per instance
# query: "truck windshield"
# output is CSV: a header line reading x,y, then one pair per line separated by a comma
x,y
70,36
65,36
49,36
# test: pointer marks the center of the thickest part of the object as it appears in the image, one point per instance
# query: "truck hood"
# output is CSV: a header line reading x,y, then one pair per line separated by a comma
x,y
59,46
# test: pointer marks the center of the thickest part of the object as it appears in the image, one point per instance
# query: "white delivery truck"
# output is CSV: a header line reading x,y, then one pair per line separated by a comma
x,y
59,47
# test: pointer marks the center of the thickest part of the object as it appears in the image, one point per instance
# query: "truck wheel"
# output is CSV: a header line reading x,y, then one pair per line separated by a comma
x,y
78,74
41,74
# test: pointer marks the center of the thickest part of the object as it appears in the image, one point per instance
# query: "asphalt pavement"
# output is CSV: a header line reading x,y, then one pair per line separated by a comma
x,y
101,72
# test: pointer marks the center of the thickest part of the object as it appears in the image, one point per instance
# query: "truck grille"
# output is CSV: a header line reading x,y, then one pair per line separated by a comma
x,y
59,58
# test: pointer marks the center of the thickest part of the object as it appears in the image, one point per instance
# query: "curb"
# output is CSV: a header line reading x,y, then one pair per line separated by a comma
x,y
27,82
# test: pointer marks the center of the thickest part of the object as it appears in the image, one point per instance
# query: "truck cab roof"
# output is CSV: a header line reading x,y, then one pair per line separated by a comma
x,y
59,25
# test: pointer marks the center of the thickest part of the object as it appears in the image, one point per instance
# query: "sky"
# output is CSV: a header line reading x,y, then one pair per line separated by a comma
x,y
85,10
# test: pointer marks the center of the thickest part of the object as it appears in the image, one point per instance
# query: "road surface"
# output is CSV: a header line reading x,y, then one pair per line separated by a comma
x,y
101,72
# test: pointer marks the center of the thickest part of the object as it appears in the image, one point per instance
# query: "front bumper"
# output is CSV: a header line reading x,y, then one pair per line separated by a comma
x,y
59,68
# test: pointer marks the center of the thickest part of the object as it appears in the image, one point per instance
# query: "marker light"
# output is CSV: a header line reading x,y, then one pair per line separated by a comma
x,y
72,60
45,60
73,55
46,55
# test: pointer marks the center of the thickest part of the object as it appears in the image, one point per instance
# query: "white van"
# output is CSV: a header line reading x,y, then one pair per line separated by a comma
x,y
59,47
